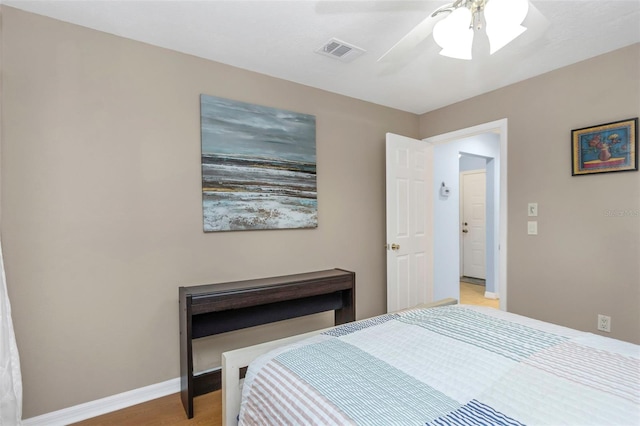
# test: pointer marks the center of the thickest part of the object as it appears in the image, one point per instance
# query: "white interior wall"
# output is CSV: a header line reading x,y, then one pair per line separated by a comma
x,y
447,213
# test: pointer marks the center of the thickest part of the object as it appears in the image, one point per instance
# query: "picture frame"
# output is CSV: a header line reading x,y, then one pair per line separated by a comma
x,y
605,148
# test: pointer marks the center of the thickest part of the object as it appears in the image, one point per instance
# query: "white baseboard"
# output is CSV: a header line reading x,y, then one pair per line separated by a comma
x,y
105,405
490,295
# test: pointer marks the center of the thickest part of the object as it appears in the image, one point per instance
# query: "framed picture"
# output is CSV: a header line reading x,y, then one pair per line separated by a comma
x,y
611,147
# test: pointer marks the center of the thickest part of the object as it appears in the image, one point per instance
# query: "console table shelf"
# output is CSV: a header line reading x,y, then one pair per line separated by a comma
x,y
206,310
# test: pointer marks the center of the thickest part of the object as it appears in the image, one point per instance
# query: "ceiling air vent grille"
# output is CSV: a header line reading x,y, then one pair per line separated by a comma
x,y
340,50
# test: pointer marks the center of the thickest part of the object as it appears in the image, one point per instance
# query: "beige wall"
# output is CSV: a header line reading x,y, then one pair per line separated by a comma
x,y
101,199
583,262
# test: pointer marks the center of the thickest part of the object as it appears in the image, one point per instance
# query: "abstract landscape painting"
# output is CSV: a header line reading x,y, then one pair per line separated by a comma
x,y
258,167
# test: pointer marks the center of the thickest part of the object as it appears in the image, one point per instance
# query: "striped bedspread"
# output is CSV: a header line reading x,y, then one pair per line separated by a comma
x,y
452,365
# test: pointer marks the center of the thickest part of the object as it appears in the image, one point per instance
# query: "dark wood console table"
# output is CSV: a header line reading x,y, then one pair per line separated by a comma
x,y
211,309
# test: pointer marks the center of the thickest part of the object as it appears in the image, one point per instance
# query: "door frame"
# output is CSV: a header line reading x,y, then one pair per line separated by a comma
x,y
499,127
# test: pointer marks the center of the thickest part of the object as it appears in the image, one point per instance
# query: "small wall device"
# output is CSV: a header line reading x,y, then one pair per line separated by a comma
x,y
444,190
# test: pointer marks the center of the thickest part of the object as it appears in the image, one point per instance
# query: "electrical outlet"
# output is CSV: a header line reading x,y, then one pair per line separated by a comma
x,y
604,323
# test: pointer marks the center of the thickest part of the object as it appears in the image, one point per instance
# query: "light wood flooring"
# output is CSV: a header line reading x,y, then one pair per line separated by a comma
x,y
472,294
167,411
208,408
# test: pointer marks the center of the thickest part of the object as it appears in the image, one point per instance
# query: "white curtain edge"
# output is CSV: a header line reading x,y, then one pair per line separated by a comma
x,y
10,374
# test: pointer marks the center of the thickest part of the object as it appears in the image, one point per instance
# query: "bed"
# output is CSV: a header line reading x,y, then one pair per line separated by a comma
x,y
442,365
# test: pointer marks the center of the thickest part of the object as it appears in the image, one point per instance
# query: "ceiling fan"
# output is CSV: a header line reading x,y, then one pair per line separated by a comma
x,y
453,26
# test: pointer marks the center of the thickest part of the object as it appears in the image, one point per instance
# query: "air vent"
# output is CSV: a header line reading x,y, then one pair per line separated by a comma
x,y
340,50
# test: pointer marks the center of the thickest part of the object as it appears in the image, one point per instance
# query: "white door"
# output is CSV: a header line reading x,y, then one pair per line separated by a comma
x,y
409,222
473,226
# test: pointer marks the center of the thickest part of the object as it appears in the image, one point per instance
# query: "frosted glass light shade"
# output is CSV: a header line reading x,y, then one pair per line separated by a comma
x,y
454,34
503,21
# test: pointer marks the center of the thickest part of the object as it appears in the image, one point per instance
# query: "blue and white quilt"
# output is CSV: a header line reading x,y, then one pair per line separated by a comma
x,y
452,365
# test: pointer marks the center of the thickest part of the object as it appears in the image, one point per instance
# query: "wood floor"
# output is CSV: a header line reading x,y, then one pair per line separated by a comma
x,y
208,408
167,410
472,294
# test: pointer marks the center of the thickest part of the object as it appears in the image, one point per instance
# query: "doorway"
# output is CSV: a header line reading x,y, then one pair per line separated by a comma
x,y
447,148
433,270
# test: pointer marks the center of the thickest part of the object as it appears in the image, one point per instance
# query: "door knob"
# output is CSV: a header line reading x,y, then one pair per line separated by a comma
x,y
395,246
465,230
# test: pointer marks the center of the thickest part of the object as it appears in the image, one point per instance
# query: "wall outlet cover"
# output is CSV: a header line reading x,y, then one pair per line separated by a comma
x,y
604,323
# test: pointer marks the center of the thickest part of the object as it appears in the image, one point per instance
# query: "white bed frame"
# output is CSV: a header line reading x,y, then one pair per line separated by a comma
x,y
233,361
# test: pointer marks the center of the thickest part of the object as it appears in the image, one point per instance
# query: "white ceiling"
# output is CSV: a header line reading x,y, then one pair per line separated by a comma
x,y
278,38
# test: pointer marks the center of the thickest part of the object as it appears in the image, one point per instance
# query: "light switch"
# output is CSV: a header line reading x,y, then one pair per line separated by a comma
x,y
532,209
532,227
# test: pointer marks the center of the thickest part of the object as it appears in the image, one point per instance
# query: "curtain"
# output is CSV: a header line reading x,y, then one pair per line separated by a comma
x,y
10,376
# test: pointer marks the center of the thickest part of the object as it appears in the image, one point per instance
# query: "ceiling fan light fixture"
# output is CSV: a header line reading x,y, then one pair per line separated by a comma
x,y
504,19
455,35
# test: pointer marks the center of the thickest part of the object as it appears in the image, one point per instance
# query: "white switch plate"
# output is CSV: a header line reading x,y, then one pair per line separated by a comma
x,y
532,227
532,209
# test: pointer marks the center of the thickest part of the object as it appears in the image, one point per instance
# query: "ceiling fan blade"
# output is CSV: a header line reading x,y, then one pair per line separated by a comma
x,y
338,7
535,20
537,25
412,39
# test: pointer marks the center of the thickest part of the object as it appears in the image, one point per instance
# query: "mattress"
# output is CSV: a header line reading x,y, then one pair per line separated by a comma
x,y
446,366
